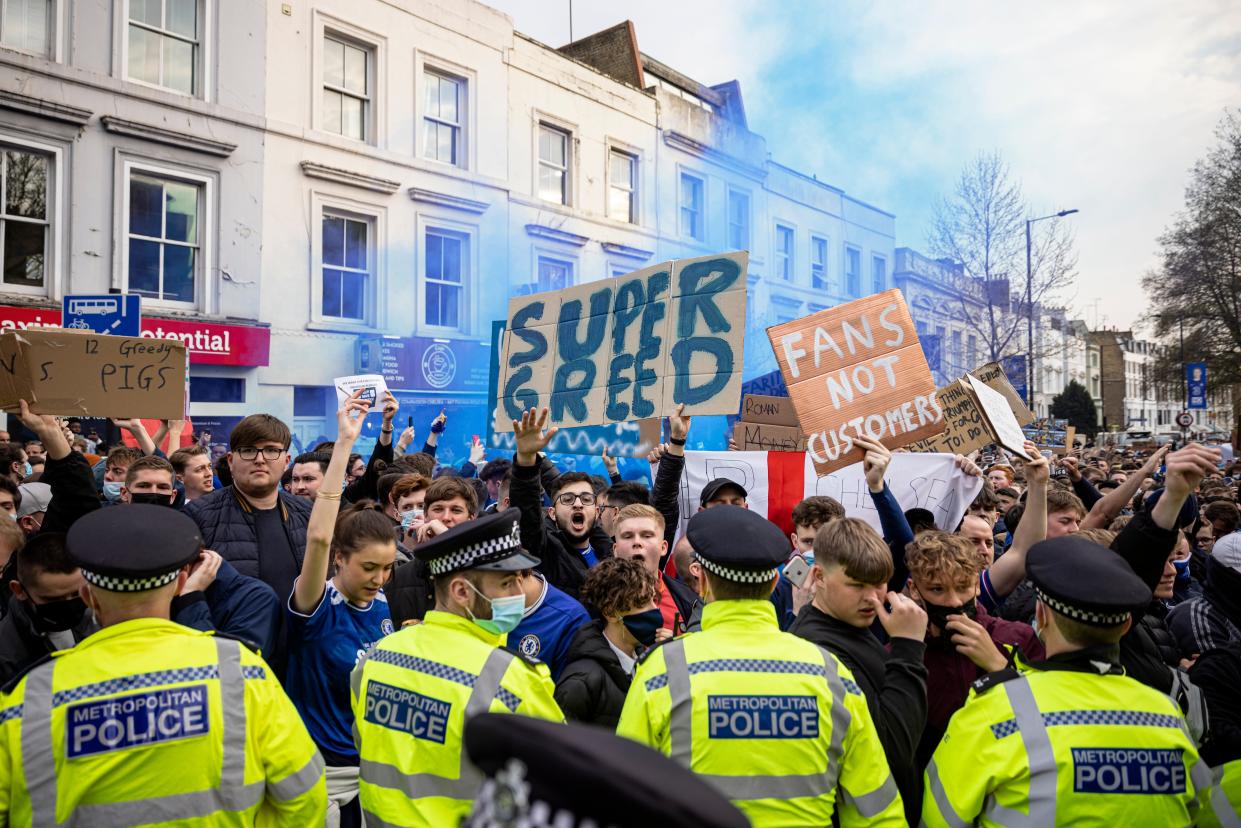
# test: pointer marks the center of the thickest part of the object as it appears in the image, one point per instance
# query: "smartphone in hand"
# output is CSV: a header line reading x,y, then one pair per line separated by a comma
x,y
796,571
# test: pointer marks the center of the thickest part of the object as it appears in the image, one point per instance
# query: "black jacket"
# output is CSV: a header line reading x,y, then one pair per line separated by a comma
x,y
366,487
21,644
894,685
561,564
410,593
592,686
1218,674
73,491
226,520
685,598
1213,619
666,498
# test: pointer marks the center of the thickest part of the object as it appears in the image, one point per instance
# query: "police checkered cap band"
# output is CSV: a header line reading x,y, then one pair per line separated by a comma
x,y
114,583
488,551
1095,619
741,576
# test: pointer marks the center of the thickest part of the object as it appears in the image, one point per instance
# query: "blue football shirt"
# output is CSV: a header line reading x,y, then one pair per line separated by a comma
x,y
547,627
324,647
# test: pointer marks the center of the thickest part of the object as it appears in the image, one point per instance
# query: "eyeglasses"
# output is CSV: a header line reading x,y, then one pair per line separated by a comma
x,y
269,452
568,498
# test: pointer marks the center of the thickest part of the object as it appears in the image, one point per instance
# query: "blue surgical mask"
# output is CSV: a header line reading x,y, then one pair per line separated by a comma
x,y
112,490
408,518
27,469
809,556
506,613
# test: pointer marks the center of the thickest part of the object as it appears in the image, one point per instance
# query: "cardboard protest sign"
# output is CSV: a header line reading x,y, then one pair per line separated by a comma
x,y
776,481
628,348
67,373
999,416
764,437
993,375
777,411
965,428
857,369
372,385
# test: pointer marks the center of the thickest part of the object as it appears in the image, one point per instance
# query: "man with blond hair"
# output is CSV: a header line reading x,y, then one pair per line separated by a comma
x,y
639,533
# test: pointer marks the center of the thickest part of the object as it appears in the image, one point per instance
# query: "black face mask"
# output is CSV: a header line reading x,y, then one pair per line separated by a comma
x,y
58,616
152,498
644,625
938,614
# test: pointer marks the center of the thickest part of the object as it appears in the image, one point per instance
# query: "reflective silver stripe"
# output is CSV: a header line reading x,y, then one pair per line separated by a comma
x,y
681,715
299,782
874,803
1040,759
1224,810
355,686
486,687
942,802
767,787
373,820
841,719
38,757
233,704
172,808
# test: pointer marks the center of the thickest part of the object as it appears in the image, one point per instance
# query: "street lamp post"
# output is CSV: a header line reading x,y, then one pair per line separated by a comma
x,y
1030,307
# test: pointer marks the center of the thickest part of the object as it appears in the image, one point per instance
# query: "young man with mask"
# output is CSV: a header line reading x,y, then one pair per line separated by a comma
x,y
36,499
45,613
115,468
604,653
640,537
564,537
407,724
964,642
150,480
849,582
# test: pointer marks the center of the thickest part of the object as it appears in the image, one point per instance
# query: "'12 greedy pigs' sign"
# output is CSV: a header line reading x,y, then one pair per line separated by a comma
x,y
628,348
857,369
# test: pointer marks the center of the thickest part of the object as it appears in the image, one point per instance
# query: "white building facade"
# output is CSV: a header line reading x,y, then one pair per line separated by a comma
x,y
366,190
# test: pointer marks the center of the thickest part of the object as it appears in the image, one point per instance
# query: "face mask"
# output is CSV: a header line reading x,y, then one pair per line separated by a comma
x,y
644,625
27,469
153,498
408,518
1182,569
58,616
938,614
506,613
809,556
112,490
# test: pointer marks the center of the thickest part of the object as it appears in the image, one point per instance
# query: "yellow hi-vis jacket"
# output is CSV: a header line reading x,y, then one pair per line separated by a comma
x,y
412,693
1064,747
148,722
1224,808
774,722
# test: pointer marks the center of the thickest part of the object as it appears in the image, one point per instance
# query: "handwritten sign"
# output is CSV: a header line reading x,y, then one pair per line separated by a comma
x,y
993,375
766,437
965,428
857,369
756,408
90,375
628,348
1000,418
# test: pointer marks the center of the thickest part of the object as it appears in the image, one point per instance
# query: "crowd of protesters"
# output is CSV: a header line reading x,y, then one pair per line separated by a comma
x,y
311,559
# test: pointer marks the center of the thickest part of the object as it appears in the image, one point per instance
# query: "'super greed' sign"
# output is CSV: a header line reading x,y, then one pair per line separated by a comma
x,y
857,369
628,348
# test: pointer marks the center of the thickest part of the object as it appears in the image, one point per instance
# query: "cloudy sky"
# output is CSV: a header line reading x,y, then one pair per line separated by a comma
x,y
1100,106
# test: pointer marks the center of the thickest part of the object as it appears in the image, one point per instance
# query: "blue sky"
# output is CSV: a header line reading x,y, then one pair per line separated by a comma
x,y
1101,106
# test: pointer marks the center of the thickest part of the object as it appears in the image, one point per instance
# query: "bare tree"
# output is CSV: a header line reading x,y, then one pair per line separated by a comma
x,y
982,226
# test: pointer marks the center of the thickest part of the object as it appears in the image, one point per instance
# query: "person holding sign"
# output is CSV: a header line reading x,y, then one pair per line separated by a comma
x,y
331,621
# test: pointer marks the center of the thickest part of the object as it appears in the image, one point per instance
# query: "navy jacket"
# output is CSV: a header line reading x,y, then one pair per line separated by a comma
x,y
226,520
235,605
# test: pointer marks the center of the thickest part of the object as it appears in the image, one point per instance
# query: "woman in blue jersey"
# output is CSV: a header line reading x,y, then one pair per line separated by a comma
x,y
333,622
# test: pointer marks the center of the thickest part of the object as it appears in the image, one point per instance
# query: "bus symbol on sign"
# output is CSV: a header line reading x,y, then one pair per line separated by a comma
x,y
119,314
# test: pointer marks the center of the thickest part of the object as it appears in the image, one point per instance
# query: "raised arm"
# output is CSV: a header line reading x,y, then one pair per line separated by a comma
x,y
135,427
896,532
366,487
67,473
666,490
1009,569
308,590
1105,511
526,491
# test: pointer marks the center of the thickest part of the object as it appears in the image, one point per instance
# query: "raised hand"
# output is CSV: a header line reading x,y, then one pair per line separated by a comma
x,y
350,416
1186,468
609,462
477,452
390,407
1037,469
531,435
905,620
874,461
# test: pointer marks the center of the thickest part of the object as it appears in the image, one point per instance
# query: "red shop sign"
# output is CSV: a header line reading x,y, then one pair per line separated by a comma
x,y
208,343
